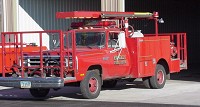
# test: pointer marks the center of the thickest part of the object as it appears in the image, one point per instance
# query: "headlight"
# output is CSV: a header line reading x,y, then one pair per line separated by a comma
x,y
76,63
25,62
68,62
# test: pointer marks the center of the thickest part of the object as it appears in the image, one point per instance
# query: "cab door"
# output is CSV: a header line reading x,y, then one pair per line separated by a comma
x,y
118,58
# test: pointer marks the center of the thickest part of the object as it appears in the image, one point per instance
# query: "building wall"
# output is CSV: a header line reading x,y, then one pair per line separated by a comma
x,y
113,5
43,11
38,15
179,16
1,15
8,10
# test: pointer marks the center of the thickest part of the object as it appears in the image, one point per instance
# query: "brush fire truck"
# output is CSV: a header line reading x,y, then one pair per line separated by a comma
x,y
99,50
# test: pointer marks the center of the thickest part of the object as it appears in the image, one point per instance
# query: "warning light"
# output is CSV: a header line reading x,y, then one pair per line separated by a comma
x,y
102,23
155,14
92,24
77,24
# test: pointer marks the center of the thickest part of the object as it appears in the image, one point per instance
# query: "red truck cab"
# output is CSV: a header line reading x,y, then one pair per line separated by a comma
x,y
101,50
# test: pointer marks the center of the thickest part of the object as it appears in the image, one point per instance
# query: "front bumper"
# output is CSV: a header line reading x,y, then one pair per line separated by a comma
x,y
34,82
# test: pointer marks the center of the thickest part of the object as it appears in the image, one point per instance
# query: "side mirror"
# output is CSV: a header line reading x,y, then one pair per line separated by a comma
x,y
161,20
122,40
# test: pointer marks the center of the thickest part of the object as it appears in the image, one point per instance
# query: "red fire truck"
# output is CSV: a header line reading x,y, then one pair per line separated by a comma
x,y
99,50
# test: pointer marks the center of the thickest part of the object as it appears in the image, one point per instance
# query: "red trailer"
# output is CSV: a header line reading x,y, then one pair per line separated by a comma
x,y
98,51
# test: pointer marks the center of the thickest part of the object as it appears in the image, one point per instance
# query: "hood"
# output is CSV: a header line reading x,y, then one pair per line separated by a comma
x,y
78,50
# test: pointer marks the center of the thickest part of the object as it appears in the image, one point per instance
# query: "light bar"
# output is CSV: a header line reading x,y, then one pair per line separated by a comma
x,y
99,14
134,15
142,14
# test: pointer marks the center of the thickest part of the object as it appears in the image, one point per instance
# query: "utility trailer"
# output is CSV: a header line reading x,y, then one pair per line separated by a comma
x,y
10,56
97,52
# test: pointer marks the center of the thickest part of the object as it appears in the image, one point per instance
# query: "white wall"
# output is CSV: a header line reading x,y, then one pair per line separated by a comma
x,y
1,15
113,5
26,23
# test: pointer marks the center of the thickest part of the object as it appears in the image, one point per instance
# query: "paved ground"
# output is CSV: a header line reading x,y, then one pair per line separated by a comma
x,y
182,90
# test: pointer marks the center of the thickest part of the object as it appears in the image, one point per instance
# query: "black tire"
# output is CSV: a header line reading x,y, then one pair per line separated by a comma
x,y
109,84
39,92
159,79
89,89
146,82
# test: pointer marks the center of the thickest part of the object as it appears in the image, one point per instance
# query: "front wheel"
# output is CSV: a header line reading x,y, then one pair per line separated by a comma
x,y
39,92
91,85
158,80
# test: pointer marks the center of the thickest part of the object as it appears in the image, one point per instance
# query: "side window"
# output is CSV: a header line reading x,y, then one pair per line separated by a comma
x,y
113,40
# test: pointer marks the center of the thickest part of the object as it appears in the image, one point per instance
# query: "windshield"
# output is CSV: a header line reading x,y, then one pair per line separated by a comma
x,y
85,39
90,39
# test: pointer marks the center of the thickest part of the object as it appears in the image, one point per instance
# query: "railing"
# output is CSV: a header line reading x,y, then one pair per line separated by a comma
x,y
179,41
17,45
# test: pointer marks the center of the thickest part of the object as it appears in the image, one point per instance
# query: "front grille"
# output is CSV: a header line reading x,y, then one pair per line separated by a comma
x,y
47,61
35,61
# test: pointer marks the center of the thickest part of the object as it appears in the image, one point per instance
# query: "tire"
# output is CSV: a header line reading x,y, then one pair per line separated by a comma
x,y
109,84
159,79
146,82
39,92
91,85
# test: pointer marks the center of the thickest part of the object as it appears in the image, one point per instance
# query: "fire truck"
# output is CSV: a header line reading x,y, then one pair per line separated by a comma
x,y
99,49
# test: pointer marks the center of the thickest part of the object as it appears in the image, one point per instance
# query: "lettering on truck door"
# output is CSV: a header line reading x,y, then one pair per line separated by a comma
x,y
118,59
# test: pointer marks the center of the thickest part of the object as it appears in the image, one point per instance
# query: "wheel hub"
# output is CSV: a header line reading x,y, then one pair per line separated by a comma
x,y
160,77
93,85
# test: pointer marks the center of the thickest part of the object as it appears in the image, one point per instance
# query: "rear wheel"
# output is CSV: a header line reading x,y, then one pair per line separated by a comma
x,y
39,92
91,85
158,80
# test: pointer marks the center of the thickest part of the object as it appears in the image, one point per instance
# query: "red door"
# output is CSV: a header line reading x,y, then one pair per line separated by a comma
x,y
118,58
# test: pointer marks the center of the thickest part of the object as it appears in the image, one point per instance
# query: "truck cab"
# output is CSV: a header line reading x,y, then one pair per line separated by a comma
x,y
99,47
